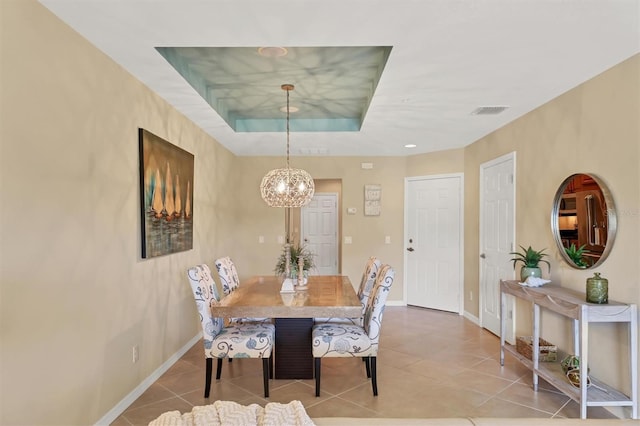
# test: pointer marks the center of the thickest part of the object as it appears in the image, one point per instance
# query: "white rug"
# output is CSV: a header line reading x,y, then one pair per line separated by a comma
x,y
229,413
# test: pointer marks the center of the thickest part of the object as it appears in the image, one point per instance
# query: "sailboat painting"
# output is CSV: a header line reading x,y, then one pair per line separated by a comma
x,y
166,185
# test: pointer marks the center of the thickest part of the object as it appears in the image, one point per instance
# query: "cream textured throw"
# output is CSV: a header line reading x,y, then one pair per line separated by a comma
x,y
229,413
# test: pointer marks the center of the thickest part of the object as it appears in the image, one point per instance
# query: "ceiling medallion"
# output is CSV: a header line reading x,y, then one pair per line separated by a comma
x,y
272,52
287,187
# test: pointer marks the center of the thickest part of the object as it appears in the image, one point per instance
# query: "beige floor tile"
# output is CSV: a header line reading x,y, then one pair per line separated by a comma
x,y
156,392
512,369
479,382
436,370
396,359
500,408
541,400
572,410
120,421
220,390
338,407
430,364
182,366
144,415
300,391
339,375
252,382
184,382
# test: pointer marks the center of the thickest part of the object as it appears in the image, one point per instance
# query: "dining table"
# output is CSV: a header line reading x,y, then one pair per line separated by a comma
x,y
324,296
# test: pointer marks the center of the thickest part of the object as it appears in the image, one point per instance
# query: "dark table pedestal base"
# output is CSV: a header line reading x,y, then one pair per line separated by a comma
x,y
293,353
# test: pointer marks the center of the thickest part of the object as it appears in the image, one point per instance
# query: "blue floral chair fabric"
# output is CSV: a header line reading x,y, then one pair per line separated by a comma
x,y
251,340
366,284
228,274
229,280
345,340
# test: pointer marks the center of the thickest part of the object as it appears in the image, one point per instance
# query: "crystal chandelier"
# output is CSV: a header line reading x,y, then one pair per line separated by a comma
x,y
287,187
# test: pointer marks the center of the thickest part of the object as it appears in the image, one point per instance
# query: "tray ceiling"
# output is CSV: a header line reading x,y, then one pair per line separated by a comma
x,y
445,60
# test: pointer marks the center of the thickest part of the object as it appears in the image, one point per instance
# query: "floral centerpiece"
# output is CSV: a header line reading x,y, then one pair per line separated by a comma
x,y
296,252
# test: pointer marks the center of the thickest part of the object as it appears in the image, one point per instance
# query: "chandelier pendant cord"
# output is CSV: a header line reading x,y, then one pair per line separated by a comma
x,y
288,90
287,187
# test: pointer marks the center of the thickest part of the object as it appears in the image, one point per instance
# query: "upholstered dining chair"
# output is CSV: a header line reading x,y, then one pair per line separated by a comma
x,y
345,340
228,274
251,340
229,280
366,284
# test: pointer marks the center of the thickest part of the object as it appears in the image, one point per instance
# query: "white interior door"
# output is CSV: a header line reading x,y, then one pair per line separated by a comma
x,y
319,232
497,236
433,242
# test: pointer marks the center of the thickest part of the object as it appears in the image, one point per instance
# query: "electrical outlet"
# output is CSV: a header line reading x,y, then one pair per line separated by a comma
x,y
135,354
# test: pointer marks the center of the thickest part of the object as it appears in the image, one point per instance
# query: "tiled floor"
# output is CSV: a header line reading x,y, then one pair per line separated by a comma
x,y
430,364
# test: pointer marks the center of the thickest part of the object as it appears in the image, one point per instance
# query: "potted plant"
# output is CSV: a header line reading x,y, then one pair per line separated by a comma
x,y
530,259
576,255
296,252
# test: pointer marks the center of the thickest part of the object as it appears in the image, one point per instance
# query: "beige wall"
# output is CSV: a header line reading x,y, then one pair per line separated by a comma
x,y
367,232
436,163
593,128
75,294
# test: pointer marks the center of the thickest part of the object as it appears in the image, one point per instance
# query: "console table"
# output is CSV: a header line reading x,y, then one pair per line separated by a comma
x,y
573,305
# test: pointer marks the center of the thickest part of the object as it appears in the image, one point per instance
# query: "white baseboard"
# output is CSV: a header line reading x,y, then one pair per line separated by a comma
x,y
395,303
474,319
146,383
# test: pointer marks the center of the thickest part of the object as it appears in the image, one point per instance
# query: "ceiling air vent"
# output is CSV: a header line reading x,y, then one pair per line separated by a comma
x,y
489,110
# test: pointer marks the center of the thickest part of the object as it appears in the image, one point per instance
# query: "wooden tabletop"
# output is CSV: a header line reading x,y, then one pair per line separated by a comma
x,y
325,296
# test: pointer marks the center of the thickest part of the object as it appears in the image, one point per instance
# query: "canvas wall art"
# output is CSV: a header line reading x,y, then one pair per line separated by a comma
x,y
166,188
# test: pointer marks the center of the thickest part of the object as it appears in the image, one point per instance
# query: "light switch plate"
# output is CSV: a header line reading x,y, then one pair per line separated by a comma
x,y
348,240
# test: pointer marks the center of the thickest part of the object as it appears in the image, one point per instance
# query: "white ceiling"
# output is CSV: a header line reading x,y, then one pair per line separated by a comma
x,y
448,58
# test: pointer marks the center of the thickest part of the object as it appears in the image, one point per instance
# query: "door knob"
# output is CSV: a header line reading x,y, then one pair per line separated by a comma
x,y
410,249
483,256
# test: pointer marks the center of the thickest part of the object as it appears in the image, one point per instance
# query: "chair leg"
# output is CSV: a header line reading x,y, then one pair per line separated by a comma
x,y
374,379
316,373
271,366
219,369
207,377
265,376
366,365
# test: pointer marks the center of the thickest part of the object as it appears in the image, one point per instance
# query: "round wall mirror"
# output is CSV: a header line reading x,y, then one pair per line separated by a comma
x,y
583,220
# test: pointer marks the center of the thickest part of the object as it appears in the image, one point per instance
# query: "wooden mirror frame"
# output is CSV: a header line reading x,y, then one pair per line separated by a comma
x,y
610,214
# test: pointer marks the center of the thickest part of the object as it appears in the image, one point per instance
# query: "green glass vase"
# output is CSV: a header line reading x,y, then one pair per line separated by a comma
x,y
597,289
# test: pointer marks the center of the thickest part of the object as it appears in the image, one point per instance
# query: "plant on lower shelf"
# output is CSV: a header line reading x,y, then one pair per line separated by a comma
x,y
531,260
576,254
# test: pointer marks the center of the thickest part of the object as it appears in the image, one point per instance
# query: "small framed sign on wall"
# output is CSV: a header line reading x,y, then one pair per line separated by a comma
x,y
372,198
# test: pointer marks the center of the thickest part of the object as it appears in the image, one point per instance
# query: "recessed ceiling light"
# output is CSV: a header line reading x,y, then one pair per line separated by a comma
x,y
410,145
272,52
